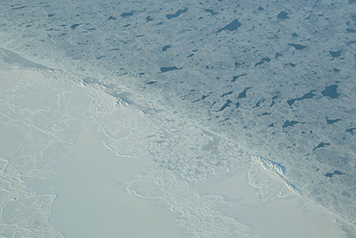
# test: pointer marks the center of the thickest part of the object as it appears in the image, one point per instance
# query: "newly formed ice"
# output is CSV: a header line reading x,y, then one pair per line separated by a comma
x,y
271,80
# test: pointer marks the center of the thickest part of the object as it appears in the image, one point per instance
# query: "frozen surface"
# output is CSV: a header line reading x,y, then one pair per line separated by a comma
x,y
214,86
58,178
78,162
86,180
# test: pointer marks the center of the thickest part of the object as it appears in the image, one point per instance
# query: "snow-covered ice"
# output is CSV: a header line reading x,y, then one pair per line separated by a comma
x,y
77,161
204,119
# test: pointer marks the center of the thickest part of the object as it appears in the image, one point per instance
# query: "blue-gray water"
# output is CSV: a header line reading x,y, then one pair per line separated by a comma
x,y
277,77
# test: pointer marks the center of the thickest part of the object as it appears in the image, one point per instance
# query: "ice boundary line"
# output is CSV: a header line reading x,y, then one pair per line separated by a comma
x,y
274,169
97,84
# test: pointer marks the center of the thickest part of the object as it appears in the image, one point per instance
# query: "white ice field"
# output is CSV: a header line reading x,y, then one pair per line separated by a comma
x,y
178,119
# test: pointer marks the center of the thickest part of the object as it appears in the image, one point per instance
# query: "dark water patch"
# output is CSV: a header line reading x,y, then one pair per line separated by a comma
x,y
336,172
330,91
149,19
51,15
294,34
266,114
335,54
293,65
288,123
18,8
351,130
271,125
308,95
127,25
212,106
321,145
232,26
282,15
330,121
177,14
151,82
243,93
237,105
298,46
277,55
190,55
166,69
127,14
225,94
329,175
227,104
267,59
237,64
258,103
115,49
74,26
351,43
305,96
211,11
352,1
112,18
166,47
263,60
336,70
234,78
260,8
98,58
202,98
350,30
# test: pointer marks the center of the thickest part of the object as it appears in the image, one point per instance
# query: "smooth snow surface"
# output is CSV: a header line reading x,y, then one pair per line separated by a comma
x,y
89,205
177,119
